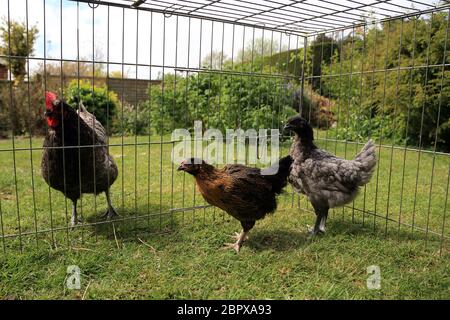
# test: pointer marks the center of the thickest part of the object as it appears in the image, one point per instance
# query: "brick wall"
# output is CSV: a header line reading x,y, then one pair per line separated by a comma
x,y
3,72
130,91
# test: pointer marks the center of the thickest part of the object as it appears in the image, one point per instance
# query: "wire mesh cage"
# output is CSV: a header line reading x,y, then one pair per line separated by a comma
x,y
355,69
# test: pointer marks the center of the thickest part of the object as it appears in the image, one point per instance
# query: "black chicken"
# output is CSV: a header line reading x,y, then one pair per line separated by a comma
x,y
247,194
70,163
326,180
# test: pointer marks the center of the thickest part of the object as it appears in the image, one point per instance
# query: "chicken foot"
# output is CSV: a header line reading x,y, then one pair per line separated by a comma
x,y
111,212
240,238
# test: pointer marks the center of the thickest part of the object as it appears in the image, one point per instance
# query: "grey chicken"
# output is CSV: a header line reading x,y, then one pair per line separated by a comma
x,y
62,170
327,181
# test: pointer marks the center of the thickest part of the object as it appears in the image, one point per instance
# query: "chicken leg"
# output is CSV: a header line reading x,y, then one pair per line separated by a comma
x,y
111,212
240,237
74,219
321,218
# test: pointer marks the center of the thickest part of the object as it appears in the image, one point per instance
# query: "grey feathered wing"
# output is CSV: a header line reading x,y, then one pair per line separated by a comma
x,y
325,177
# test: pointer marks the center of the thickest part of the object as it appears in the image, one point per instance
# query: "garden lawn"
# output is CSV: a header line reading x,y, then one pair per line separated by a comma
x,y
155,252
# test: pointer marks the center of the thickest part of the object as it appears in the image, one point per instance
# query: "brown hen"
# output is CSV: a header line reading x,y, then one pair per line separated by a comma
x,y
245,193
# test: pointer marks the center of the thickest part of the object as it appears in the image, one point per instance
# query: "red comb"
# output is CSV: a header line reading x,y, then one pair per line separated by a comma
x,y
49,98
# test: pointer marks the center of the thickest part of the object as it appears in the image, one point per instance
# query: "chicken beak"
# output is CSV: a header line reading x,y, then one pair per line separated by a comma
x,y
287,127
180,168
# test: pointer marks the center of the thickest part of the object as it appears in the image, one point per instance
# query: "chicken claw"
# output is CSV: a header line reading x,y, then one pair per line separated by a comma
x,y
110,214
312,233
240,238
235,246
74,222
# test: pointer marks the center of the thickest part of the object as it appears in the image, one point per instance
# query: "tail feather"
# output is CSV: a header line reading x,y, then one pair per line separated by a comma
x,y
367,159
93,123
278,173
81,107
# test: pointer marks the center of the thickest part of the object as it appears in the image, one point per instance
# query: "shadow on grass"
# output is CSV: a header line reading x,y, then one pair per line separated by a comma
x,y
141,226
287,240
279,240
143,222
338,226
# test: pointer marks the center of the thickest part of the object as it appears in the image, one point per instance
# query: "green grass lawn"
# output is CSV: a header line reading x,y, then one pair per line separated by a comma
x,y
155,252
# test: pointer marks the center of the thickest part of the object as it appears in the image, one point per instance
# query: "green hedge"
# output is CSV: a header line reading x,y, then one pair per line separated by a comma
x,y
98,100
220,101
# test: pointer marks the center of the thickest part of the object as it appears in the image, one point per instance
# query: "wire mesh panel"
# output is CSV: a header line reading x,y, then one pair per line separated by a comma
x,y
357,70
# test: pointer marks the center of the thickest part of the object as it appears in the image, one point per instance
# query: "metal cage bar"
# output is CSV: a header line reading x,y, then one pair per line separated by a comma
x,y
283,56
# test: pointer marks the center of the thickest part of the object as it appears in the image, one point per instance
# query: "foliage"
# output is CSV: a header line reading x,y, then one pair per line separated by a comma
x,y
22,108
391,82
319,53
70,69
214,60
97,100
19,42
315,107
135,120
220,101
257,49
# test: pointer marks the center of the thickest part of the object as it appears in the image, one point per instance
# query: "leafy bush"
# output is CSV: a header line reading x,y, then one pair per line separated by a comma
x,y
97,100
408,105
316,108
135,120
220,101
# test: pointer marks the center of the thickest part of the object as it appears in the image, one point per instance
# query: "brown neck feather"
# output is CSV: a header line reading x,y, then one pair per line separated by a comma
x,y
207,172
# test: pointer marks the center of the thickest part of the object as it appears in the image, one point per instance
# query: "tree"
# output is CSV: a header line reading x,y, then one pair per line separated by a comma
x,y
118,74
69,69
258,48
322,50
214,60
74,69
17,111
408,105
18,42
